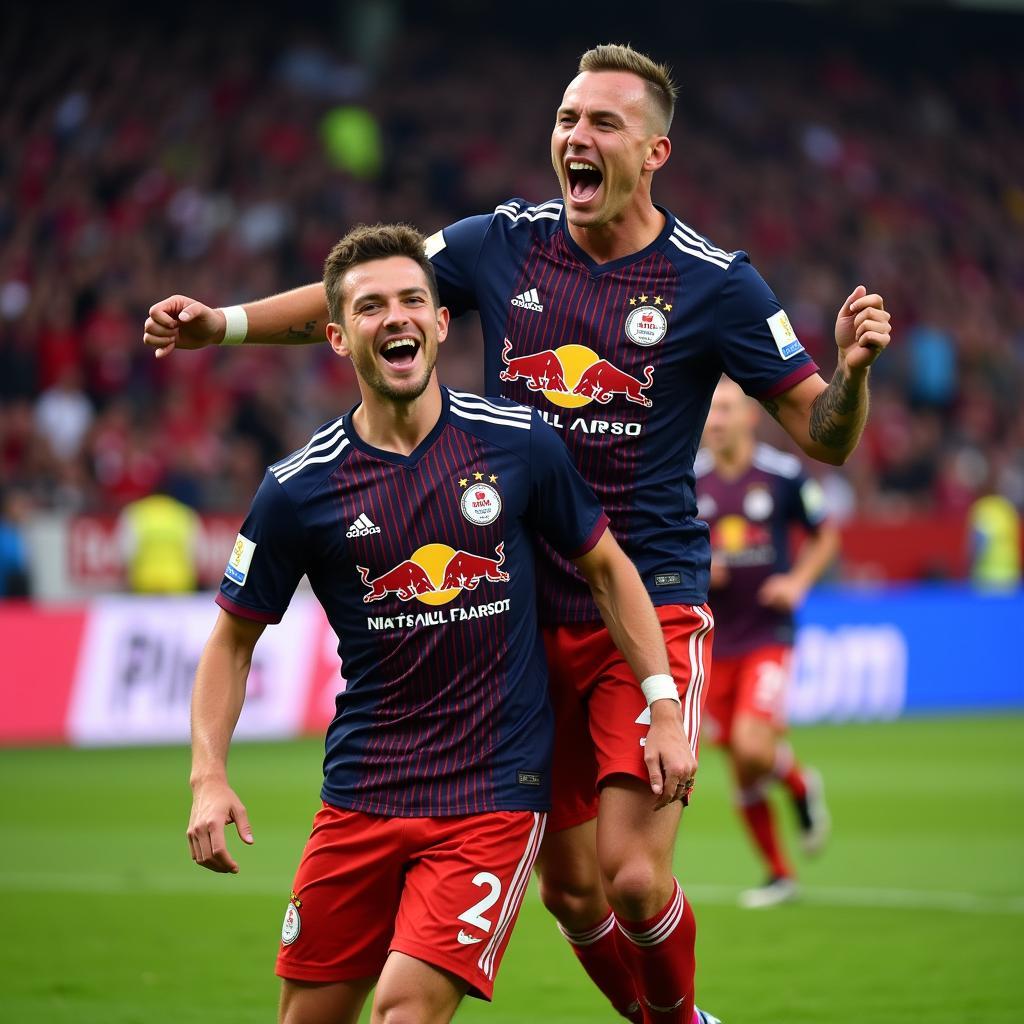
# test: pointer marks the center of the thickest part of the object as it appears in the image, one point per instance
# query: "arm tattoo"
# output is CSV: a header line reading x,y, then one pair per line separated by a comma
x,y
300,333
838,413
771,407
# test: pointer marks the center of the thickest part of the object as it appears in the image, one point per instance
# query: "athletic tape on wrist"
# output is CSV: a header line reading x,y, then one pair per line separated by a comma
x,y
236,325
660,687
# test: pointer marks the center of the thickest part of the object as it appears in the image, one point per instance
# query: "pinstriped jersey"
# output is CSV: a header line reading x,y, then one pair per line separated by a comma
x,y
425,567
750,518
621,358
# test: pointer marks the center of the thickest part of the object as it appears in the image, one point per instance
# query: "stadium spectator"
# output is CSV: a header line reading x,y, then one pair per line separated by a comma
x,y
158,536
114,184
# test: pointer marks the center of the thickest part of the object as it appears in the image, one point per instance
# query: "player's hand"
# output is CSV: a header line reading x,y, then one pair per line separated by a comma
x,y
181,322
781,593
719,573
667,754
862,329
214,805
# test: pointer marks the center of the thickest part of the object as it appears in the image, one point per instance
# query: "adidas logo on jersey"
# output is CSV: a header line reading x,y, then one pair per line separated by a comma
x,y
529,300
362,527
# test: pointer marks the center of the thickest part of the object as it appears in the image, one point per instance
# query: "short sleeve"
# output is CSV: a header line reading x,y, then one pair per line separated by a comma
x,y
267,561
756,342
454,253
809,505
562,507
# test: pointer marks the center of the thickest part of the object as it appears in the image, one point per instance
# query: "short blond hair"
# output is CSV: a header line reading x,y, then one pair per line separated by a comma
x,y
367,242
657,77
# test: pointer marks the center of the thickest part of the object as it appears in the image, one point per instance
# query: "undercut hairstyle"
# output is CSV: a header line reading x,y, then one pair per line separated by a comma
x,y
368,242
661,89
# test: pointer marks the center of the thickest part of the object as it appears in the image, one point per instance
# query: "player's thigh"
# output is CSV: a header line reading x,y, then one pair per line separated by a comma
x,y
463,890
635,844
570,878
752,745
415,992
345,896
618,714
310,1002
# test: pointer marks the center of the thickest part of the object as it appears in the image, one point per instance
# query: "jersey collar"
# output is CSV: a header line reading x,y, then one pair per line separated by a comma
x,y
418,452
596,269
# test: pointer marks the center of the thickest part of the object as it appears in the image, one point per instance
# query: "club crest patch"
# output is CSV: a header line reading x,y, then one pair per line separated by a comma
x,y
292,924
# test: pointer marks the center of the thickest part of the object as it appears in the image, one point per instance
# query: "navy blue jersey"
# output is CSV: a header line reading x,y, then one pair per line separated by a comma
x,y
425,567
750,519
621,358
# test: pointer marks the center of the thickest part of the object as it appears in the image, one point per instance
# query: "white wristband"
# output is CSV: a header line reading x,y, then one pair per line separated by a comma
x,y
236,325
660,687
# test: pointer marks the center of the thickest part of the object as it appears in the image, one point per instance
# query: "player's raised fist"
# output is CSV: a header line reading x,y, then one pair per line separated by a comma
x,y
181,322
862,329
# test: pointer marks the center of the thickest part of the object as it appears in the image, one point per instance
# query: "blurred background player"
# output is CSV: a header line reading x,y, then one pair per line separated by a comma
x,y
437,770
616,320
752,496
159,536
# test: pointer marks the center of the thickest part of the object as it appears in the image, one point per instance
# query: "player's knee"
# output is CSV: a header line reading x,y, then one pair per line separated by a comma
x,y
634,887
409,1008
577,905
754,756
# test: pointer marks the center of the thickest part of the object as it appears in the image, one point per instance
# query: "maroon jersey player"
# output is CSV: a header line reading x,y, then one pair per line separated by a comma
x,y
752,496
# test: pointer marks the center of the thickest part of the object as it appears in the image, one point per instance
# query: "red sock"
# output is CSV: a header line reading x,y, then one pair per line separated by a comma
x,y
659,953
789,772
596,950
757,813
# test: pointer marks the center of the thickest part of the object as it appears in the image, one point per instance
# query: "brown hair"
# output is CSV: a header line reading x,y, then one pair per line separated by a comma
x,y
367,242
658,77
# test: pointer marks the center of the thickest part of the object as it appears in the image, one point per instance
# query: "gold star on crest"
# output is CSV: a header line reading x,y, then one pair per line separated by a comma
x,y
643,298
667,307
478,476
632,302
463,482
493,479
657,300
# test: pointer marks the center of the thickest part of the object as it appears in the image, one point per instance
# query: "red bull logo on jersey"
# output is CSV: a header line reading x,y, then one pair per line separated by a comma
x,y
739,542
574,375
435,574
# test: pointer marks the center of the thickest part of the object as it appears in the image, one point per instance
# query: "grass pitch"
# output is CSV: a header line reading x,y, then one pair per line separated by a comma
x,y
914,914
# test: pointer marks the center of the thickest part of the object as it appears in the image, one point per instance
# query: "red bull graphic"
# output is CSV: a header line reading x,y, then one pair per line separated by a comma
x,y
466,570
407,580
602,382
435,574
739,542
575,375
542,371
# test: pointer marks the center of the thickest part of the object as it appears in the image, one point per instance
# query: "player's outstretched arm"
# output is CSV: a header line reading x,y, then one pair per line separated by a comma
x,y
297,317
631,620
826,420
785,592
217,698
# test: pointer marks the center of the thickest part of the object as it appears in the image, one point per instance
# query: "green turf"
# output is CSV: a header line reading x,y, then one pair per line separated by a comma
x,y
915,914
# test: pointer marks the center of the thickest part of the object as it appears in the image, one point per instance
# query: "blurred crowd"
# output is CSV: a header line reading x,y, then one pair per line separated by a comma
x,y
141,163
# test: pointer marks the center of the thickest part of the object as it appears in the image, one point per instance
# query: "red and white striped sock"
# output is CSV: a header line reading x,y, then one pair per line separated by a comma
x,y
598,953
659,953
760,820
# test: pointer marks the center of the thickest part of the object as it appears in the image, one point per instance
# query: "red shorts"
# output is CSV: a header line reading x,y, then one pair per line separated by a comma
x,y
601,716
444,890
752,684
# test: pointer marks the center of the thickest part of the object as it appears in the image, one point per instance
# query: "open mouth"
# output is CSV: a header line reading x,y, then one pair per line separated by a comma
x,y
400,352
584,180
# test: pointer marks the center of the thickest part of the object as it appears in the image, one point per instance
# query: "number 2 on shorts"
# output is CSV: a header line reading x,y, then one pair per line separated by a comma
x,y
474,915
